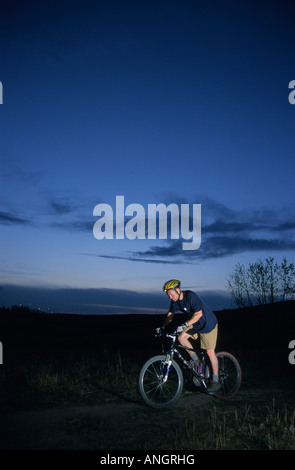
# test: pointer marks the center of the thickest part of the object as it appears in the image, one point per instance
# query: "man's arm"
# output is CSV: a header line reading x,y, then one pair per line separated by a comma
x,y
168,319
196,317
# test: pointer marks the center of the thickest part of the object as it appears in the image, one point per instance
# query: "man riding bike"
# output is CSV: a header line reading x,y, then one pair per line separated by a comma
x,y
202,323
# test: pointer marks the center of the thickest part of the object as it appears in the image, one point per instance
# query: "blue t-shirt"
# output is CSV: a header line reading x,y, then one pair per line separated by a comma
x,y
192,303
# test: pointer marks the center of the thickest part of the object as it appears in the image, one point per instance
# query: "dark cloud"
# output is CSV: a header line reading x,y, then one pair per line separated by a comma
x,y
133,257
100,301
62,205
10,219
69,213
79,300
221,246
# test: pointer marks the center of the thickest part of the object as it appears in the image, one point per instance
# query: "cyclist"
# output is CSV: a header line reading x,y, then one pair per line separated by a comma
x,y
202,323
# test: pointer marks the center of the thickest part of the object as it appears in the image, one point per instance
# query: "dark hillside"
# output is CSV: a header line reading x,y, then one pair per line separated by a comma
x,y
261,328
29,333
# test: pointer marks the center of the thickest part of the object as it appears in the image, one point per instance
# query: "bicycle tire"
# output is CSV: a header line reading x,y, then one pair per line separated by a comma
x,y
230,375
153,390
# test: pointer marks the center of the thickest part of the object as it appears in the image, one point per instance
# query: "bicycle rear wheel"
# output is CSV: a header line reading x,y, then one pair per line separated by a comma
x,y
155,391
230,375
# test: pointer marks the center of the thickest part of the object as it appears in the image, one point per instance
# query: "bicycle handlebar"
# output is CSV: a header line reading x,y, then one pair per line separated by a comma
x,y
167,335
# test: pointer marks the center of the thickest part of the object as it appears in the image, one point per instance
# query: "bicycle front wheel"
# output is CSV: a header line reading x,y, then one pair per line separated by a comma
x,y
230,375
157,388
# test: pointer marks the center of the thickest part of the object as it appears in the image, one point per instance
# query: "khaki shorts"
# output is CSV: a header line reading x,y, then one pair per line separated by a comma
x,y
207,340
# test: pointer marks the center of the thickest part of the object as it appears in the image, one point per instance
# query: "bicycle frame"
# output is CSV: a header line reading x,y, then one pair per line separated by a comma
x,y
170,356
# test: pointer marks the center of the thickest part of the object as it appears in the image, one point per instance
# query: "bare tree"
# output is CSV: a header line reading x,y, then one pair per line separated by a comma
x,y
262,282
238,286
286,279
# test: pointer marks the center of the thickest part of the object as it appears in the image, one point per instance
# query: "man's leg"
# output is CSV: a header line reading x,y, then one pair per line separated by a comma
x,y
213,360
208,342
183,338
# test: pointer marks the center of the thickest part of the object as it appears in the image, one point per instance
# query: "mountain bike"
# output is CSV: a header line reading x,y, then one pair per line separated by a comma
x,y
161,379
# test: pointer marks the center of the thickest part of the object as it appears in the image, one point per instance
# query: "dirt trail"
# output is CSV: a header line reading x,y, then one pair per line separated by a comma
x,y
97,427
118,426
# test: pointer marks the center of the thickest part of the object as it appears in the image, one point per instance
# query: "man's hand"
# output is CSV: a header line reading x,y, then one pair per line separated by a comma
x,y
182,327
159,330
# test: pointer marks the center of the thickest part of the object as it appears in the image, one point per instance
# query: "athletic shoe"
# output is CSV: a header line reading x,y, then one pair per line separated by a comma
x,y
213,386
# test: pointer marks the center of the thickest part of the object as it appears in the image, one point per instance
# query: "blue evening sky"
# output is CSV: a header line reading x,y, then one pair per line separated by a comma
x,y
159,102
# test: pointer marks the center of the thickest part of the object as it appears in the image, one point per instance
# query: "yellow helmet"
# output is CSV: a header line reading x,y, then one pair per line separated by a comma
x,y
172,284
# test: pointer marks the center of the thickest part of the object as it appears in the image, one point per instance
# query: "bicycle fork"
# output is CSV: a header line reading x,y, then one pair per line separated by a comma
x,y
166,367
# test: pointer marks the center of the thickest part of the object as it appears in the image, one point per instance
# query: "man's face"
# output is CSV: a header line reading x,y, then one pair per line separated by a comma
x,y
173,294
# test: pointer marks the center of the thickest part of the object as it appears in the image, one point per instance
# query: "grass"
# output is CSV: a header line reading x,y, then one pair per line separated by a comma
x,y
261,422
267,426
67,380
